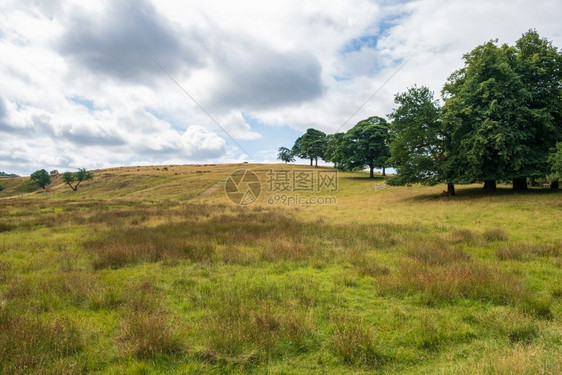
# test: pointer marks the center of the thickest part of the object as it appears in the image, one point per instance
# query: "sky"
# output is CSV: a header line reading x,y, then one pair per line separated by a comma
x,y
97,84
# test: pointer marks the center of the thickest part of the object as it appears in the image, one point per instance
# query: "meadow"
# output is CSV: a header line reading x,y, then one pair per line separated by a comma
x,y
153,270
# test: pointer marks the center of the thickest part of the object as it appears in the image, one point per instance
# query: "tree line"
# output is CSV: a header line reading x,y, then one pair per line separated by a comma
x,y
501,120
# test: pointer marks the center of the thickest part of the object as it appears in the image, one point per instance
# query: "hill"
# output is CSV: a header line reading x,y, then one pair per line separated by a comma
x,y
154,270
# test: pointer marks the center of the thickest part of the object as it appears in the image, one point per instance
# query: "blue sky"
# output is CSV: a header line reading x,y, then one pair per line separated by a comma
x,y
82,88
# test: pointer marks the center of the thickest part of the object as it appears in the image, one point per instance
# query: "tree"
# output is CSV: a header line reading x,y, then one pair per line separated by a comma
x,y
41,178
419,145
337,150
539,64
54,172
286,155
310,145
82,175
502,111
368,144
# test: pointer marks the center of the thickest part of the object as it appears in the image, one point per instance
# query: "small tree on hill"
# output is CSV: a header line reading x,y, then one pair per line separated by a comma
x,y
82,175
286,155
41,178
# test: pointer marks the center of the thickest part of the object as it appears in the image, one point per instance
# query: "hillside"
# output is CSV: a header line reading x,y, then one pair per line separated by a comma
x,y
146,270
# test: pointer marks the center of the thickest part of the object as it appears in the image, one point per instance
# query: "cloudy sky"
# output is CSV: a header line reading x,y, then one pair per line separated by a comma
x,y
97,83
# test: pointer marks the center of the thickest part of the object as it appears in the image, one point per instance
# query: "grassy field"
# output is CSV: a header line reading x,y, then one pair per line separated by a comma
x,y
153,270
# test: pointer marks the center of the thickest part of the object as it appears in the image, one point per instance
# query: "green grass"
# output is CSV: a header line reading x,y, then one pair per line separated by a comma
x,y
145,270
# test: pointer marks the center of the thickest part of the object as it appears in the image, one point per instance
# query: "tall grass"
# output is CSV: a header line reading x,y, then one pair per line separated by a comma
x,y
28,344
388,281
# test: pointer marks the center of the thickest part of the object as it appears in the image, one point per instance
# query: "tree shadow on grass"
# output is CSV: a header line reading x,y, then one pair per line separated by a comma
x,y
474,192
365,178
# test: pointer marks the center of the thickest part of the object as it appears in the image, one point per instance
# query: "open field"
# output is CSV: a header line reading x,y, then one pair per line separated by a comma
x,y
146,270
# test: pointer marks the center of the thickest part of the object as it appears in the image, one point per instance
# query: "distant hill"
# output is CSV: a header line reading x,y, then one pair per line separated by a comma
x,y
4,174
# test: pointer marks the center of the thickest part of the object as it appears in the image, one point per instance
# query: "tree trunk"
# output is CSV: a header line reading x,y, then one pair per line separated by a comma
x,y
554,185
311,160
451,189
533,182
371,172
384,170
316,162
520,184
490,185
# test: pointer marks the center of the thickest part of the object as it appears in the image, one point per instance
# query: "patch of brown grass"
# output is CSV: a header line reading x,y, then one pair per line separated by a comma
x,y
147,334
436,252
355,343
438,284
464,236
495,234
523,251
27,344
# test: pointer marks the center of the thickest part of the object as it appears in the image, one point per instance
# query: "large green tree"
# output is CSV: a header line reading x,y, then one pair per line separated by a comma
x,y
41,178
310,145
502,111
368,144
539,65
419,145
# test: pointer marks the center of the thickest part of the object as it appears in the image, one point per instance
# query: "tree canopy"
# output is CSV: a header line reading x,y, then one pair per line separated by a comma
x,y
337,150
285,154
418,143
82,175
41,178
367,144
502,111
310,145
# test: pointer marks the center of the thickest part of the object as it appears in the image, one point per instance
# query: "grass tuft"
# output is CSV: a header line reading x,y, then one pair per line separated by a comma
x,y
495,234
354,343
27,344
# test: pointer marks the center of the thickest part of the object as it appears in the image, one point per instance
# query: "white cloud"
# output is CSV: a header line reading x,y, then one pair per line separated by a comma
x,y
80,88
